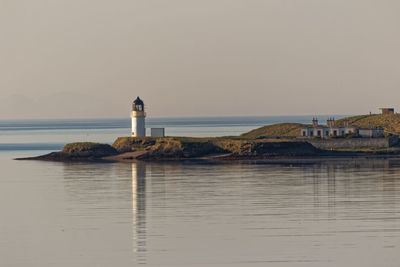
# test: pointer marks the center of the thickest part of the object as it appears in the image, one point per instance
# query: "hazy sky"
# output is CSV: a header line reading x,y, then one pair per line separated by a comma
x,y
91,58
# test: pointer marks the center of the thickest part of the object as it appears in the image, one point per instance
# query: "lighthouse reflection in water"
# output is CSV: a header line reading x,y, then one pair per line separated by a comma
x,y
139,210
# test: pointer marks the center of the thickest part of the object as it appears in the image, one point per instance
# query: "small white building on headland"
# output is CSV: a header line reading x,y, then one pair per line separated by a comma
x,y
386,111
138,118
330,130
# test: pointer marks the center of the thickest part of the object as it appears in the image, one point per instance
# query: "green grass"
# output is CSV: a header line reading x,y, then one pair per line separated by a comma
x,y
389,122
280,129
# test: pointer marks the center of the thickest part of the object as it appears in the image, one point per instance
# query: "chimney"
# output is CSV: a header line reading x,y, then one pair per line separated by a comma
x,y
330,122
315,122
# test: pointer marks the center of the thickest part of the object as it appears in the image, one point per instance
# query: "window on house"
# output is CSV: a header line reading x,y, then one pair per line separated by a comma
x,y
335,133
304,133
312,133
319,133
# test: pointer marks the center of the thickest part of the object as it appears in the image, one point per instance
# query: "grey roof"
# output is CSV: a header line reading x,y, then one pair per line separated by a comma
x,y
326,127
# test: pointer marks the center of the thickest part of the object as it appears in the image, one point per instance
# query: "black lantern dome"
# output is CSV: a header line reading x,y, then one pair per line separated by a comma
x,y
138,104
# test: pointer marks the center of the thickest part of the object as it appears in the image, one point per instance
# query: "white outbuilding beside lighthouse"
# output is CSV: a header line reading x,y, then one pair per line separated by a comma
x,y
138,118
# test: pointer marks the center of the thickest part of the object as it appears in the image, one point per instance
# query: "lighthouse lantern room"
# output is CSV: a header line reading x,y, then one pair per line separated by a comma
x,y
138,118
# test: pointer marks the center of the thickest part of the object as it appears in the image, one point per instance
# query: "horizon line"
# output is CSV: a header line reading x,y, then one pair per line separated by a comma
x,y
183,117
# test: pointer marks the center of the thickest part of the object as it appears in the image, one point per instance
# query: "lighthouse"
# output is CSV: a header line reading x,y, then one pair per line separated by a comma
x,y
138,118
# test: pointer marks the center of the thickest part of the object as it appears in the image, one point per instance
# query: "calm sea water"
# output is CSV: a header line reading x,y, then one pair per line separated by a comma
x,y
333,213
54,134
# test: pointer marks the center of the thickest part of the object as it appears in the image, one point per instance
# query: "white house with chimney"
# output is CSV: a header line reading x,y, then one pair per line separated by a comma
x,y
330,130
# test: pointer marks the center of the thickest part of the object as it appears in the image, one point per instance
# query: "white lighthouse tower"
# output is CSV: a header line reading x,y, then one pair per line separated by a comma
x,y
138,118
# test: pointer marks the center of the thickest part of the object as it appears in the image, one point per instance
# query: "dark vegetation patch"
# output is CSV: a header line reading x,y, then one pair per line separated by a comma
x,y
89,149
80,151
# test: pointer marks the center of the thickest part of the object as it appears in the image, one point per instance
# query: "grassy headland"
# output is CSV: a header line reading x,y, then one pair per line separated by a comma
x,y
128,148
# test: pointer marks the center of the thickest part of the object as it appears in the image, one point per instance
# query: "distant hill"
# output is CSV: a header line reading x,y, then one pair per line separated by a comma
x,y
389,122
280,129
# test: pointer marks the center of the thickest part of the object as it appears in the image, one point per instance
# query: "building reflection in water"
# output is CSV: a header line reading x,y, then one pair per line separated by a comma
x,y
345,180
139,210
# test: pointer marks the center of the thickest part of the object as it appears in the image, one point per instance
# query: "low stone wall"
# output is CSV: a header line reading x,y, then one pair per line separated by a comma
x,y
353,142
